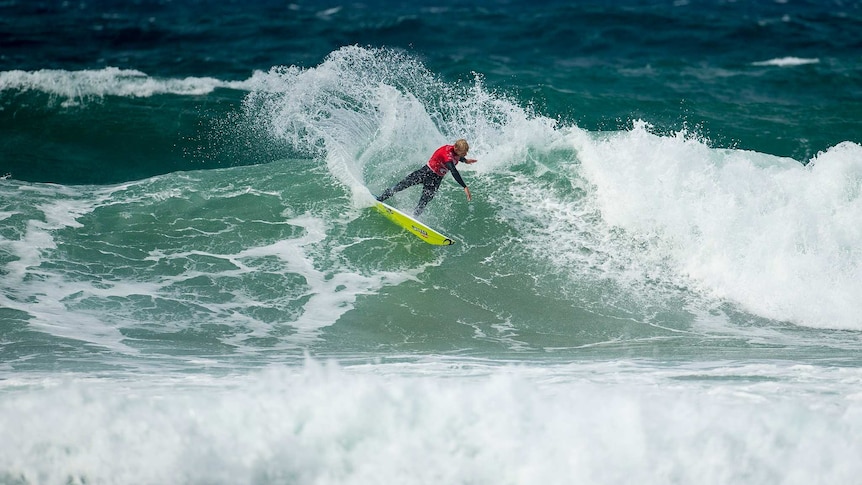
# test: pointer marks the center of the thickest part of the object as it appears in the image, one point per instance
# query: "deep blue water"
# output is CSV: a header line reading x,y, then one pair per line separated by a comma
x,y
775,77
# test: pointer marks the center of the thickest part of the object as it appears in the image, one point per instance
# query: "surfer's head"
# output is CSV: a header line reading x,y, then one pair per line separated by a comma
x,y
461,147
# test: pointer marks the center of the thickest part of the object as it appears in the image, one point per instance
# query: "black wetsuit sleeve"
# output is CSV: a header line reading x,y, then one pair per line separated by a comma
x,y
451,167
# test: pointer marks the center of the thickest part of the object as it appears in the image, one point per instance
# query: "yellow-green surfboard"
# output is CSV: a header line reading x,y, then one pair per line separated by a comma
x,y
421,231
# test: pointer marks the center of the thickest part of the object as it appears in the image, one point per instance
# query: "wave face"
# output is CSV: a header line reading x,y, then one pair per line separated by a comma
x,y
632,216
657,276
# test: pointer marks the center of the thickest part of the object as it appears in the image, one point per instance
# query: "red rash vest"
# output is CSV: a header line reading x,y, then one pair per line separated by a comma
x,y
438,160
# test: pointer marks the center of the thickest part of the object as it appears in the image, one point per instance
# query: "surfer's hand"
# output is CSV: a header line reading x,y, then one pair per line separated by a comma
x,y
470,160
467,191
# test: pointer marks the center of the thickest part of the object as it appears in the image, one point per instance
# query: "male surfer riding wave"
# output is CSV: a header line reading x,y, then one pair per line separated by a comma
x,y
431,174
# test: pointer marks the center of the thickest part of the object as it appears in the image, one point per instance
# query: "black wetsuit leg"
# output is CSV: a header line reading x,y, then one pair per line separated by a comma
x,y
424,175
413,178
429,187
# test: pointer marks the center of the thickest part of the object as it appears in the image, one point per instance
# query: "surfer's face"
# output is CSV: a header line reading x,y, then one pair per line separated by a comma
x,y
459,152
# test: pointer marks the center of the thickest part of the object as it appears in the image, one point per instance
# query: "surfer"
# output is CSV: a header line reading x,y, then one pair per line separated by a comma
x,y
431,174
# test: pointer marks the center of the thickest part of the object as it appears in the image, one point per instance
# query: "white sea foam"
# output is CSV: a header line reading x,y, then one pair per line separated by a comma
x,y
787,62
75,87
779,238
40,293
415,423
657,214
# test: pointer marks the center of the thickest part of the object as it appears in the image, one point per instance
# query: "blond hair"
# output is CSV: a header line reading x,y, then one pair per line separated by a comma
x,y
461,144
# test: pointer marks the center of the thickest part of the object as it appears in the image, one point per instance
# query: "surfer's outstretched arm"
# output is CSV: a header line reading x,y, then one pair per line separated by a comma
x,y
451,167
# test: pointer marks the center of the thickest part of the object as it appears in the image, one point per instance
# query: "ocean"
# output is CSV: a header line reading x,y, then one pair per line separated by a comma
x,y
658,279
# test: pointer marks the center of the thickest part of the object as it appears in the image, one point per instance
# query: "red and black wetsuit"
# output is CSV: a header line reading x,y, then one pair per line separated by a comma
x,y
430,176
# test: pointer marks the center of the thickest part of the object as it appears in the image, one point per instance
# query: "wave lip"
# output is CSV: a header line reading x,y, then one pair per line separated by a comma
x,y
787,62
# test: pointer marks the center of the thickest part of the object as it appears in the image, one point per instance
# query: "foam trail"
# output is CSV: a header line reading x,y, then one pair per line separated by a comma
x,y
39,293
330,295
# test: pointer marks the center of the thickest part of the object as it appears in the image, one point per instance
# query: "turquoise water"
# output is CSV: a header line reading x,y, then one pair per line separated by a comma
x,y
657,278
